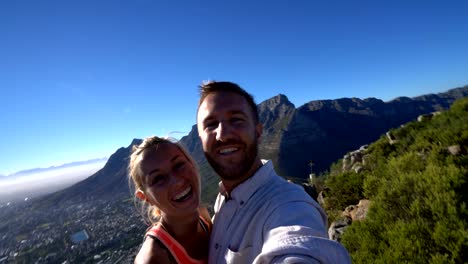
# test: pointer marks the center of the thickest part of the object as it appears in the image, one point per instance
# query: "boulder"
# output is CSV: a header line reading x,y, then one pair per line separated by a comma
x,y
357,212
357,167
427,117
322,195
337,228
354,159
391,139
361,210
454,150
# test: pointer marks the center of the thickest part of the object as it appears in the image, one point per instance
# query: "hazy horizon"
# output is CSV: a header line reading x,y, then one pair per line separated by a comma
x,y
28,171
32,185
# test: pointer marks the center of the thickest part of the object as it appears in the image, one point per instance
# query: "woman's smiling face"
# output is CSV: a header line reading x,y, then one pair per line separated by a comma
x,y
170,180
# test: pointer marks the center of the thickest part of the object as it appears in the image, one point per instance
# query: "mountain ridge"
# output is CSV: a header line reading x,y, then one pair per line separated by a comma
x,y
318,132
65,165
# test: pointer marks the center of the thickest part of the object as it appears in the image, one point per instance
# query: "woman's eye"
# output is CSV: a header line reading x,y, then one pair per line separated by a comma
x,y
179,165
158,180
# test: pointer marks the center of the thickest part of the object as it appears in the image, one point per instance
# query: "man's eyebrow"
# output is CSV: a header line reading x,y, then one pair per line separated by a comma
x,y
234,112
207,119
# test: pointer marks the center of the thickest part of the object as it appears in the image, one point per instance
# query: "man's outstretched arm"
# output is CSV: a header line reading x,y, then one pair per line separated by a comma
x,y
296,233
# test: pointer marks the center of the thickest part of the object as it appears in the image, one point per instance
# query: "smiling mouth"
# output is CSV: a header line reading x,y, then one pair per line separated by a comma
x,y
227,151
184,195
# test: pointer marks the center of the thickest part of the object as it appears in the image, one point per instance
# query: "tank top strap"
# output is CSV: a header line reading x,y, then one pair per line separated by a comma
x,y
174,247
205,225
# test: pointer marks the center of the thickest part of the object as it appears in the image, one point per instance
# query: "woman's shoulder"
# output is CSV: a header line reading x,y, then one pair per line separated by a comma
x,y
153,251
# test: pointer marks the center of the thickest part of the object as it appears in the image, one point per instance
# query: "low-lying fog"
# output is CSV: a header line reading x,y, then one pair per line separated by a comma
x,y
26,186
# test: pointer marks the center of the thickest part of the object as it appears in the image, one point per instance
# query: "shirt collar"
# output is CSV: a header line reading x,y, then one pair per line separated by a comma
x,y
246,189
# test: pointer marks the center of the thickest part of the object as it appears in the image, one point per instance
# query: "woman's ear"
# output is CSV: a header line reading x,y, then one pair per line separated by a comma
x,y
140,194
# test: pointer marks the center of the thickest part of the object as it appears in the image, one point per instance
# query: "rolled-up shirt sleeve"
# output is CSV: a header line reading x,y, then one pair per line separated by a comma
x,y
298,244
295,233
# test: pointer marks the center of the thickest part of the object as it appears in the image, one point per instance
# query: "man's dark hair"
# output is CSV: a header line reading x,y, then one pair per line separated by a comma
x,y
213,86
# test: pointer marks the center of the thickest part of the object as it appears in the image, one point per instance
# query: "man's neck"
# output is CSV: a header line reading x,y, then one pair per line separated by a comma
x,y
230,185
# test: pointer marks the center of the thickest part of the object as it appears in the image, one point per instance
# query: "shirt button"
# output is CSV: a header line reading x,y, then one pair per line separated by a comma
x,y
216,246
242,203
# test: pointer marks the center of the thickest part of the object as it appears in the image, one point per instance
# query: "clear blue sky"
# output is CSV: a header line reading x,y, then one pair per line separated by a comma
x,y
79,79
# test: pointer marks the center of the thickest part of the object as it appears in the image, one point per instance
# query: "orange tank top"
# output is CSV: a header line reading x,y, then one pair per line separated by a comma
x,y
175,248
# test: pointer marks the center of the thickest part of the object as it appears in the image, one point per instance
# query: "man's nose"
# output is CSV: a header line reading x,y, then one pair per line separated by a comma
x,y
222,132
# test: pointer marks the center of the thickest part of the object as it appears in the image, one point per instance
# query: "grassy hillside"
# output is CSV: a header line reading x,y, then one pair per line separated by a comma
x,y
418,188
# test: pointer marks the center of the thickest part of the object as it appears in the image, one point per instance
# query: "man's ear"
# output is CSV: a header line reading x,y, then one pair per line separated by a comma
x,y
259,130
141,195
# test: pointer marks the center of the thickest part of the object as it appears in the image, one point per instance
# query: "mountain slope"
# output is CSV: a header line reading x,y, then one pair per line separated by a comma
x,y
111,182
417,186
323,131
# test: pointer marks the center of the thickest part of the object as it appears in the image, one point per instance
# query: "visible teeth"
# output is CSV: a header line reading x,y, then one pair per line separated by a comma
x,y
182,194
227,150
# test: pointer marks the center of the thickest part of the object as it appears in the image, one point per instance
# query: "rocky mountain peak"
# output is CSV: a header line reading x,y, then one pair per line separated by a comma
x,y
280,99
135,142
275,102
275,108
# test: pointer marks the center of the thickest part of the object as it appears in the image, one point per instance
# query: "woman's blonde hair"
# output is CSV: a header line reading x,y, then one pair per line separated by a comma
x,y
136,175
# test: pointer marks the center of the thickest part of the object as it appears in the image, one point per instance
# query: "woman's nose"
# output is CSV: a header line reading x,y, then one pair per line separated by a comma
x,y
176,178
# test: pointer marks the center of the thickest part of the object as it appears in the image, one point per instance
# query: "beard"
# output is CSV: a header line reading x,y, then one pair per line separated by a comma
x,y
235,170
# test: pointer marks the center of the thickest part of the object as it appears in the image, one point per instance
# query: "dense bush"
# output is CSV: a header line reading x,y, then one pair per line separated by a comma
x,y
349,186
418,192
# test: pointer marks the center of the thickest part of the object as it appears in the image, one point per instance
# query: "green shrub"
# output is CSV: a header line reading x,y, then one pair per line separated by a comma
x,y
418,193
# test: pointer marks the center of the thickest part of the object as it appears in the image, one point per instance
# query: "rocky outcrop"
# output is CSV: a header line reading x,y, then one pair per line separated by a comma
x,y
391,138
322,196
357,212
427,117
351,214
354,160
337,228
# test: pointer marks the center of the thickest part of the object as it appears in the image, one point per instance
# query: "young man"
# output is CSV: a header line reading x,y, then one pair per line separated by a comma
x,y
259,217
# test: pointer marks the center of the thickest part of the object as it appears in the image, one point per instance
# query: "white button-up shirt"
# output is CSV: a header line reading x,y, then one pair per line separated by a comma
x,y
269,220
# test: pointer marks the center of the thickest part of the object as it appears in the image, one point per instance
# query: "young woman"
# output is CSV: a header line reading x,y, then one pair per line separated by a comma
x,y
166,180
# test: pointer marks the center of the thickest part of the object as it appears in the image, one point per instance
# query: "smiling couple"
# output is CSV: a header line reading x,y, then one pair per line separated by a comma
x,y
258,216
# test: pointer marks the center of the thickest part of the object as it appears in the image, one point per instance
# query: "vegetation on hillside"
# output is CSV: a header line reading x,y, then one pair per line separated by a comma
x,y
418,191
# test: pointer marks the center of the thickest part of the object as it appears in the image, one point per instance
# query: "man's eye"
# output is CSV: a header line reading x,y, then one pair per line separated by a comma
x,y
211,125
179,165
237,120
